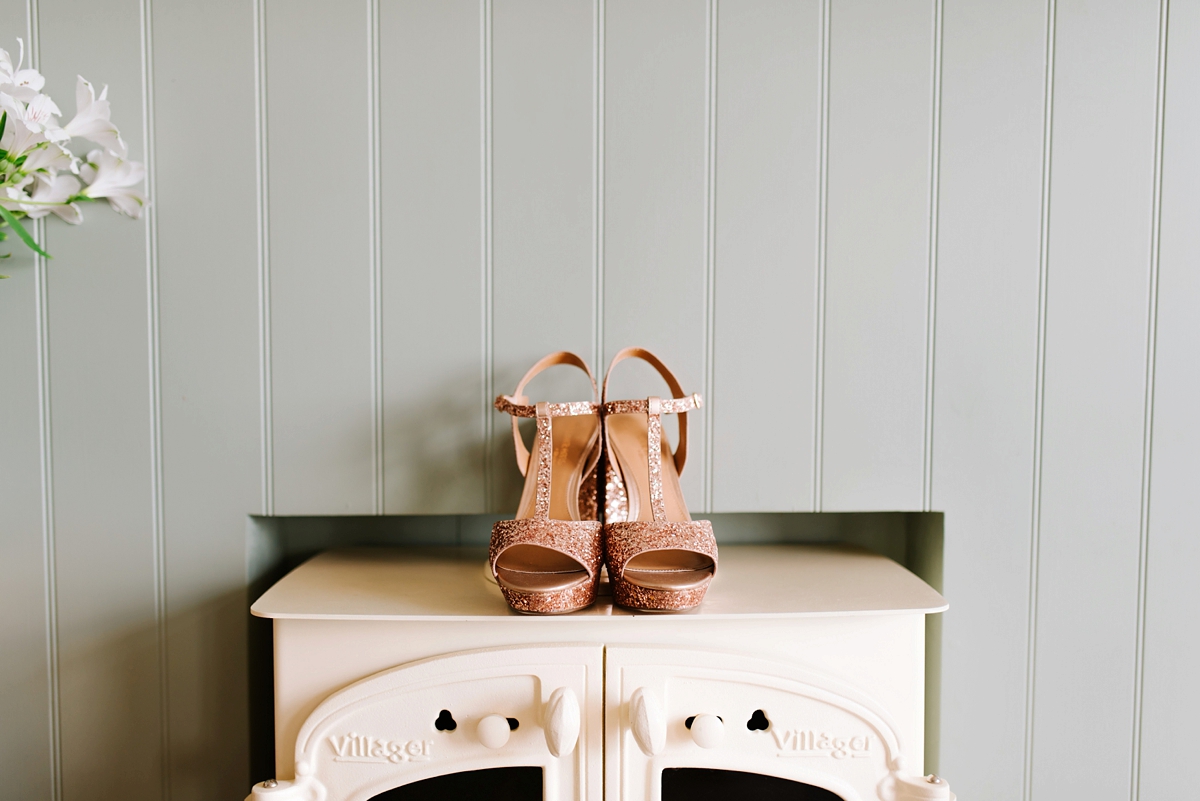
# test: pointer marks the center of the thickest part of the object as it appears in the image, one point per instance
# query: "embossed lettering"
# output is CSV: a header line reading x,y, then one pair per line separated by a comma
x,y
342,747
784,738
810,743
354,747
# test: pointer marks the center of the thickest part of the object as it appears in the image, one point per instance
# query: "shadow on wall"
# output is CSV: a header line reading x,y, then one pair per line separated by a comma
x,y
111,701
276,545
109,695
435,455
435,459
209,694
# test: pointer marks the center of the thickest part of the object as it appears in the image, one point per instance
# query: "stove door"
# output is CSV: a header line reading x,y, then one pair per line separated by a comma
x,y
518,722
692,724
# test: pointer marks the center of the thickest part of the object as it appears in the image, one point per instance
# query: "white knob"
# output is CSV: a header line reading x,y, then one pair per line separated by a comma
x,y
708,731
562,722
647,721
922,788
493,731
304,788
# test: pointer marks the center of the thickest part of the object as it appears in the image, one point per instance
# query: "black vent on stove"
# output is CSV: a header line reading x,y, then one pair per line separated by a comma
x,y
706,784
758,721
493,784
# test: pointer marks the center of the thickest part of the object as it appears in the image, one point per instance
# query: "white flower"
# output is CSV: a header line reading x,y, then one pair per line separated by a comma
x,y
17,137
19,182
31,123
39,176
49,157
92,119
57,190
111,177
22,84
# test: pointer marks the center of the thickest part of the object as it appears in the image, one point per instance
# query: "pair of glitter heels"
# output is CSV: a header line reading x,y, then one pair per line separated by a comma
x,y
610,457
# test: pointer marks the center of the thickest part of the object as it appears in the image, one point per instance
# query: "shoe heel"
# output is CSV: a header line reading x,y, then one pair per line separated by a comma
x,y
644,599
551,603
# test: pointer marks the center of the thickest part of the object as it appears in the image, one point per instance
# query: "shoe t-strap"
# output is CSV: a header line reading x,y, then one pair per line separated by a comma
x,y
680,404
518,405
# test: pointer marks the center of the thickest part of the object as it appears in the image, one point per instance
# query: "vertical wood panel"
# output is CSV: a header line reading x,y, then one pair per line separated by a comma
x,y
1100,235
542,120
878,249
1171,696
766,226
27,738
432,329
986,345
655,200
210,397
101,415
323,397
26,759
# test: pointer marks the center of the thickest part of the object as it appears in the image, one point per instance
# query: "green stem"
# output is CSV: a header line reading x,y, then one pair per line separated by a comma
x,y
42,202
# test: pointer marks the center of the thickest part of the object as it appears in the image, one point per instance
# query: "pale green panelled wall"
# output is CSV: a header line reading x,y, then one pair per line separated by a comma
x,y
935,255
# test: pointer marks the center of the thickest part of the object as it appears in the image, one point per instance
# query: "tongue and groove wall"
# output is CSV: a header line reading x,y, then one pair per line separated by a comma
x,y
936,255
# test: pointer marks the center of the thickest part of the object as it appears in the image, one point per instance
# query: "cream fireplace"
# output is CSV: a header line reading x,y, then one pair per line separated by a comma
x,y
402,671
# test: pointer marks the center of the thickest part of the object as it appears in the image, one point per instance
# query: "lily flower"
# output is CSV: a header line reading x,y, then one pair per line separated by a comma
x,y
109,176
50,157
39,174
92,119
55,191
24,85
17,137
32,123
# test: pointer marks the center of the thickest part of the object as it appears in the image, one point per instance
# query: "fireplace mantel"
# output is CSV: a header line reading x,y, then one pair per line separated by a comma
x,y
823,645
438,583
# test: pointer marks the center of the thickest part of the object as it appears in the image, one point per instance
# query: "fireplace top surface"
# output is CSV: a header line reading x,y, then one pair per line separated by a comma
x,y
453,584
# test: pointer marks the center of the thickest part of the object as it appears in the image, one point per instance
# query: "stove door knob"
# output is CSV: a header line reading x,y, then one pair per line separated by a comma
x,y
648,722
708,731
493,731
922,788
562,721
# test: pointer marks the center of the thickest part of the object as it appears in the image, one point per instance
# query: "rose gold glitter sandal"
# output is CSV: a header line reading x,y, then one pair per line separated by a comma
x,y
658,558
547,559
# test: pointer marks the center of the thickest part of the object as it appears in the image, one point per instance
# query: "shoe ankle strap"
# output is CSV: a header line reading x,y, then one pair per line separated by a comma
x,y
508,404
652,407
518,405
665,406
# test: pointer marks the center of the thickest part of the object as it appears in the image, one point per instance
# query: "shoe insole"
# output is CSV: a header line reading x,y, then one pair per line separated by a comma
x,y
668,569
532,568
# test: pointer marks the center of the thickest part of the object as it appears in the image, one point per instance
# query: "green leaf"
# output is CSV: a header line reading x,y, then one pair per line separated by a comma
x,y
21,232
3,123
